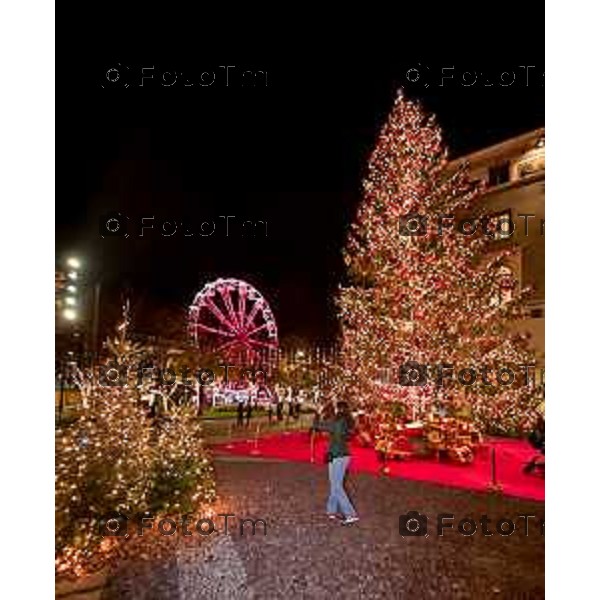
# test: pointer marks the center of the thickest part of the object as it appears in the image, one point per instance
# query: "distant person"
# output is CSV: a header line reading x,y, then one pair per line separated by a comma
x,y
296,409
240,413
289,397
155,403
273,402
279,409
200,401
248,412
339,426
537,438
270,411
316,395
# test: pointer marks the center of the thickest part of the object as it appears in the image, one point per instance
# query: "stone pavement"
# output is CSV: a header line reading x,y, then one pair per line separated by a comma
x,y
305,555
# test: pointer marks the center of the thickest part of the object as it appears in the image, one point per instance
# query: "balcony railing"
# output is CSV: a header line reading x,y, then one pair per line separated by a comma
x,y
536,310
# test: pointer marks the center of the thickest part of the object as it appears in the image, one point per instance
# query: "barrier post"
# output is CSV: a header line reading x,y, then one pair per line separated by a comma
x,y
230,434
256,450
493,486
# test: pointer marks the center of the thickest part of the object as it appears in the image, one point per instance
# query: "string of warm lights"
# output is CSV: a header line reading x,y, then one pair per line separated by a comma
x,y
116,458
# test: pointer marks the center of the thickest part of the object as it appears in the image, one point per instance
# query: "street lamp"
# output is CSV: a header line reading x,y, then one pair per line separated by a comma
x,y
71,300
70,314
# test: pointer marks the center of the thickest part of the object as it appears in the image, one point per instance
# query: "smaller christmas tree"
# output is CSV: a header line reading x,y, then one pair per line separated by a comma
x,y
116,459
102,465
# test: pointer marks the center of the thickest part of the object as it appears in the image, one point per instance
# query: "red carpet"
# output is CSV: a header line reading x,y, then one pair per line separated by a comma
x,y
511,456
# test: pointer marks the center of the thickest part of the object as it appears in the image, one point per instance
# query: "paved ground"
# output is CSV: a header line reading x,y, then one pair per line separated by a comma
x,y
304,555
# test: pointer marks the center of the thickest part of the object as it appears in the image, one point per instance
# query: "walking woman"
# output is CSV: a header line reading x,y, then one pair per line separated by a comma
x,y
339,426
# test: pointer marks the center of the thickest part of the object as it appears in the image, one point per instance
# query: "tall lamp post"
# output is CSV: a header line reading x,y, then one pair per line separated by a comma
x,y
95,321
70,314
73,301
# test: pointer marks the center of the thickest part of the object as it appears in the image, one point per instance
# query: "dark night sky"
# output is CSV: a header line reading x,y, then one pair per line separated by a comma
x,y
292,153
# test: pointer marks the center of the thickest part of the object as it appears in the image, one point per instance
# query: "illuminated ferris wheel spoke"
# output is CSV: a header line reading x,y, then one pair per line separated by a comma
x,y
229,305
257,329
213,330
215,310
257,306
242,306
271,345
227,345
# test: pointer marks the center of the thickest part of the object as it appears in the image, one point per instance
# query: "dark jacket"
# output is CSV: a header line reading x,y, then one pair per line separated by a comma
x,y
537,438
339,433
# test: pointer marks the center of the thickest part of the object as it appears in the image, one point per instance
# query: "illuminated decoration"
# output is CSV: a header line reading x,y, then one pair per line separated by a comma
x,y
501,224
66,291
232,319
430,298
506,284
117,457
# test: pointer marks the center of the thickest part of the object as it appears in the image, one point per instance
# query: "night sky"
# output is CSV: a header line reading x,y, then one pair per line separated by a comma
x,y
292,153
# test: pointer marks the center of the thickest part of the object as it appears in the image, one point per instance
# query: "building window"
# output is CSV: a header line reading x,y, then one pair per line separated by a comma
x,y
501,225
386,375
504,286
534,160
499,174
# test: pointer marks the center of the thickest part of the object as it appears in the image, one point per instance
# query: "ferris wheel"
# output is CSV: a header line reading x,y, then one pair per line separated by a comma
x,y
232,319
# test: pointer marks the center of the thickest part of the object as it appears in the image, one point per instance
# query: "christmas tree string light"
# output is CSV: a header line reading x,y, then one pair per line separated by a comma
x,y
116,459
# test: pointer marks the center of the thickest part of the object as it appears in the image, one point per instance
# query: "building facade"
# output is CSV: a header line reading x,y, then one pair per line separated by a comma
x,y
514,173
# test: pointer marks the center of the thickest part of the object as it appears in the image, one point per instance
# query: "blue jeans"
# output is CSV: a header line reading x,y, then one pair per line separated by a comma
x,y
338,500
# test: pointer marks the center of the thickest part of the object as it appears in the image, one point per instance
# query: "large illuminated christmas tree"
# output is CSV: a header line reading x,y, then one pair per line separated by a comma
x,y
418,292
